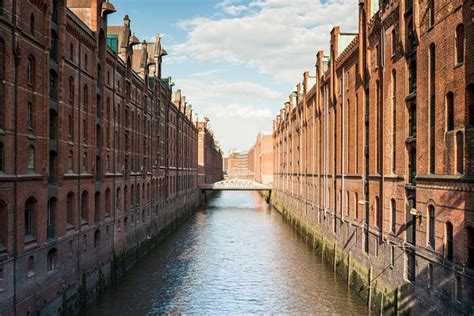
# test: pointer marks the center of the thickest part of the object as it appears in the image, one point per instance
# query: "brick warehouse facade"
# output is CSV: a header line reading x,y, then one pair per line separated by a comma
x,y
96,160
210,163
374,155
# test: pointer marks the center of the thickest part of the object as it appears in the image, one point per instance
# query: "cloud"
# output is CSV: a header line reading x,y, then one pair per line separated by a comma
x,y
231,7
235,92
207,73
176,59
241,112
277,37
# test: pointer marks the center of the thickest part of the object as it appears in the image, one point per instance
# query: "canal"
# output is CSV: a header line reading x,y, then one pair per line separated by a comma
x,y
235,256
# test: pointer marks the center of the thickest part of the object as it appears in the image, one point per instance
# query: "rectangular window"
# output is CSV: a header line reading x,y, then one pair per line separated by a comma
x,y
431,12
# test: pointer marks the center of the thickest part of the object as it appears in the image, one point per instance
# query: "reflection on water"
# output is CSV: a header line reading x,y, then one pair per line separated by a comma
x,y
235,256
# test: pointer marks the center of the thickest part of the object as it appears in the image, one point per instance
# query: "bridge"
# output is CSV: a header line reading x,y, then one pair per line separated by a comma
x,y
235,185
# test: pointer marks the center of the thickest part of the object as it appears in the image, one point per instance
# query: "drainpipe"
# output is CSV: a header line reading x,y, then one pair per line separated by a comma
x,y
79,162
114,153
343,144
313,169
381,156
16,53
326,162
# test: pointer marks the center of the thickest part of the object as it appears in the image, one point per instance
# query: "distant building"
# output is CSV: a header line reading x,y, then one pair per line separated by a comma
x,y
238,165
262,158
251,161
210,161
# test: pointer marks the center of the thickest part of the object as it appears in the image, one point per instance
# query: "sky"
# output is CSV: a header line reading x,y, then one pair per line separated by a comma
x,y
237,61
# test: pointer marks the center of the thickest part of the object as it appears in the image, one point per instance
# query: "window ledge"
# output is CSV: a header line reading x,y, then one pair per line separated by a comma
x,y
458,65
30,242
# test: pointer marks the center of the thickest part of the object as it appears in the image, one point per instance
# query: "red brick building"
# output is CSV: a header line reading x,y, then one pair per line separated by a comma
x,y
210,163
373,153
262,158
95,157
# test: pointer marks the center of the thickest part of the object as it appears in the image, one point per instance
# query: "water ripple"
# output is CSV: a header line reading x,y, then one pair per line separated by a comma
x,y
234,257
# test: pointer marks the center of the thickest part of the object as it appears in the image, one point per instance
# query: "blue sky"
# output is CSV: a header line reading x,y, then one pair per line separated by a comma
x,y
237,61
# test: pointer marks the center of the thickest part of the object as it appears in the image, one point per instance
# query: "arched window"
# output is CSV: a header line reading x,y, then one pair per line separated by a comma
x,y
54,12
31,158
86,98
53,167
54,46
148,192
460,44
118,199
431,226
394,41
32,24
30,219
378,213
96,238
71,207
470,247
470,104
450,111
29,116
52,260
107,202
97,207
31,266
85,207
393,209
3,224
71,90
51,218
132,196
71,52
85,129
84,162
432,129
70,161
2,158
98,106
53,85
348,212
53,125
394,121
459,153
2,85
431,13
108,109
98,168
356,205
125,197
449,241
70,126
31,71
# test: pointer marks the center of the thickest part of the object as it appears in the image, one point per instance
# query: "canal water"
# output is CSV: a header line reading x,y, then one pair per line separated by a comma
x,y
235,256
